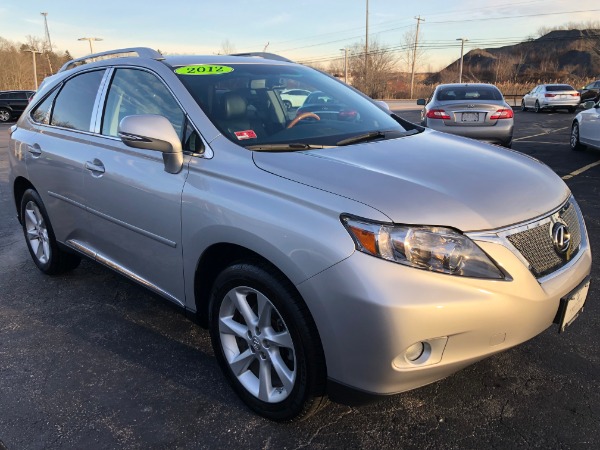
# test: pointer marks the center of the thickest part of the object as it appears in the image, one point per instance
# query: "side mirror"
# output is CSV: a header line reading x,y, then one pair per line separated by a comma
x,y
153,132
421,102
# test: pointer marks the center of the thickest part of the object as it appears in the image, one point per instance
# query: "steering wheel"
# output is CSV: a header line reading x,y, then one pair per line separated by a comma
x,y
302,116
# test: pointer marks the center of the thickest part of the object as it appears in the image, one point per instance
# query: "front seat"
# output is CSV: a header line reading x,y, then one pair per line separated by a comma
x,y
232,117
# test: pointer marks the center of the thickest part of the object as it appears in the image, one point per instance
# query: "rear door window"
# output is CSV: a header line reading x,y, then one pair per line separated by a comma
x,y
74,105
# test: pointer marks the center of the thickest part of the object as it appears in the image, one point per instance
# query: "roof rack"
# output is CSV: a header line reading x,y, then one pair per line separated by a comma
x,y
142,52
264,55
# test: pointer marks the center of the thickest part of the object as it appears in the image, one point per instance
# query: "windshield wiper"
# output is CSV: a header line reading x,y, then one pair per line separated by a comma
x,y
362,138
284,147
371,136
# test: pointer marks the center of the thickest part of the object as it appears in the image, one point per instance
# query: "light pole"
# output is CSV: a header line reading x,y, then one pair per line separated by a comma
x,y
33,52
90,39
366,45
345,50
462,47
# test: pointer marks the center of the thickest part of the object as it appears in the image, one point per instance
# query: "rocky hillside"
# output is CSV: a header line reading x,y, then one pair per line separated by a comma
x,y
557,55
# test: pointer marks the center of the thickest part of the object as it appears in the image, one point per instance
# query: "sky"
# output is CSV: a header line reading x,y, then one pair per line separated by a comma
x,y
310,31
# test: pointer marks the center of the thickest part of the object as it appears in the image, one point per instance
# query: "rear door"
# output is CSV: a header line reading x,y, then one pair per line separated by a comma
x,y
135,206
56,145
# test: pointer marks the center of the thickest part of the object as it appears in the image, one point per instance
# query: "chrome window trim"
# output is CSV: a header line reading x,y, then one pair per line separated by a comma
x,y
98,111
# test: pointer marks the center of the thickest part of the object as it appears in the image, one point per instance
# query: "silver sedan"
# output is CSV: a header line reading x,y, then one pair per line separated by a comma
x,y
551,97
473,110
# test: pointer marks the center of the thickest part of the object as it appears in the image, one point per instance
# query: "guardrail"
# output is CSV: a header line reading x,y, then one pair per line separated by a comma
x,y
515,97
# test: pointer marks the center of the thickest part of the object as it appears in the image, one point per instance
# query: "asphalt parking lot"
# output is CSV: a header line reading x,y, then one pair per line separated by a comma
x,y
91,360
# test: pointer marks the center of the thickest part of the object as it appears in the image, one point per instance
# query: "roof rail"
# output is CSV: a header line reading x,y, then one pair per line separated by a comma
x,y
142,52
264,55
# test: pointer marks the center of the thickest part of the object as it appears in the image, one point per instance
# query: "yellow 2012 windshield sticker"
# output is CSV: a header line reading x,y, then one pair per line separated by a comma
x,y
203,69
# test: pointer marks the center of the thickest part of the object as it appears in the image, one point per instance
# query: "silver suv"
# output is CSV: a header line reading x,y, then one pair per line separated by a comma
x,y
339,255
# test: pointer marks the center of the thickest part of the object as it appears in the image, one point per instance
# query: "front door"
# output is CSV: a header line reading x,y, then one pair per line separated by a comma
x,y
134,205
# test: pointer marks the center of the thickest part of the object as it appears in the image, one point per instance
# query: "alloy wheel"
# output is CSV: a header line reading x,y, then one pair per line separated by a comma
x,y
257,344
4,115
37,232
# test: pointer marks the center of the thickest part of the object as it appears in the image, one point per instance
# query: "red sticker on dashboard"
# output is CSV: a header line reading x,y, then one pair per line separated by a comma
x,y
247,134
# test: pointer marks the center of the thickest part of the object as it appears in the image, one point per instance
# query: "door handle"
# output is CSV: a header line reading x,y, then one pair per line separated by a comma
x,y
95,166
34,149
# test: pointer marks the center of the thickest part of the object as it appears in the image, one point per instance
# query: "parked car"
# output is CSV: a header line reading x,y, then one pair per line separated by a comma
x,y
474,110
552,97
337,257
294,98
590,92
13,103
585,130
324,106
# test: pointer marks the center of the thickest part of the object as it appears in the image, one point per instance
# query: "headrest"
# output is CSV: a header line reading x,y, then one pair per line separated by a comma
x,y
232,105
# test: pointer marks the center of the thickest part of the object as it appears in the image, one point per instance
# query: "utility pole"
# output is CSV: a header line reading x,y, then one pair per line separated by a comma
x,y
345,50
367,46
414,57
48,41
33,52
462,47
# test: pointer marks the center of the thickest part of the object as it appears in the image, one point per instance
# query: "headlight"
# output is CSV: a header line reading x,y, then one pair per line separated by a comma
x,y
437,249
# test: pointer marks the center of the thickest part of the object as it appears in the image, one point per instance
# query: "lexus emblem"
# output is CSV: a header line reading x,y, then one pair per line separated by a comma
x,y
561,238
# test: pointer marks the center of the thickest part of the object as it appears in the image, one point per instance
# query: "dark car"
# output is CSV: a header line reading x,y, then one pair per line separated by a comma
x,y
13,103
326,107
590,92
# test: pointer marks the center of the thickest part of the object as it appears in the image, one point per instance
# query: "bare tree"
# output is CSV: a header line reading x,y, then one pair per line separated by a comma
x,y
381,65
16,65
227,48
408,53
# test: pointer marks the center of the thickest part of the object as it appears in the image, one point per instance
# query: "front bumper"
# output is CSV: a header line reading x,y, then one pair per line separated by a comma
x,y
369,311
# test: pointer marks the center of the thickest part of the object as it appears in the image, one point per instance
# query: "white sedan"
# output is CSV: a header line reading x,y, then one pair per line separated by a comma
x,y
585,130
294,98
551,97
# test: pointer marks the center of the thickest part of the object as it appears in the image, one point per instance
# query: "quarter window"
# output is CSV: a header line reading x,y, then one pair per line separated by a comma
x,y
41,113
135,92
74,105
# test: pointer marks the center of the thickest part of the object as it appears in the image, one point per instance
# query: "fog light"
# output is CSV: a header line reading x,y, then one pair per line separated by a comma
x,y
415,351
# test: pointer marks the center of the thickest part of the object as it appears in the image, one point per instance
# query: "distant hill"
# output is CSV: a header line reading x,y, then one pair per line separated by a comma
x,y
561,54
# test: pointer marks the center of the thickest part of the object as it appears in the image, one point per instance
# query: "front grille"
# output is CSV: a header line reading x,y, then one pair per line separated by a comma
x,y
536,245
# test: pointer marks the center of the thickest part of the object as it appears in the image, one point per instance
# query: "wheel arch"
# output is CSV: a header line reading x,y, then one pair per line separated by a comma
x,y
212,262
20,185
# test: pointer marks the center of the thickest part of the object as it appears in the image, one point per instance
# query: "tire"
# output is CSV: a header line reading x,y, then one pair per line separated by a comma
x,y
523,107
277,367
39,235
574,139
287,104
507,144
4,115
537,108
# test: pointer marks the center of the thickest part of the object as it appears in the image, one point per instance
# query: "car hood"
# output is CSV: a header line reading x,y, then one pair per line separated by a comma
x,y
430,179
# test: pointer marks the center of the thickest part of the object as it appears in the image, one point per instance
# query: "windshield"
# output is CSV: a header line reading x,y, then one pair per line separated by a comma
x,y
255,104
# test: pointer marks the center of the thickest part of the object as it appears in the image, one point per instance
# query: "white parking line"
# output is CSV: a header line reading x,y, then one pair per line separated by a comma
x,y
540,134
580,171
